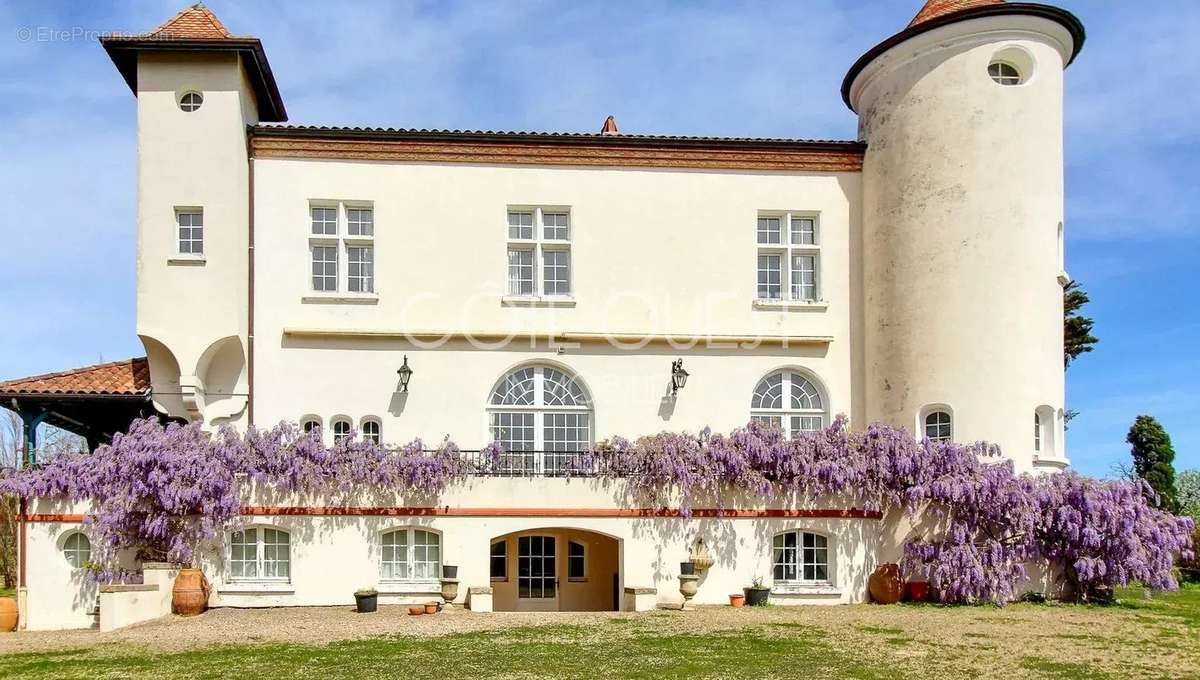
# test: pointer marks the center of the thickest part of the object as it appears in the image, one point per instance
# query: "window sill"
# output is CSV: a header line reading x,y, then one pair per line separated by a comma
x,y
577,580
256,587
1063,278
186,261
499,579
804,589
786,305
409,587
537,301
340,299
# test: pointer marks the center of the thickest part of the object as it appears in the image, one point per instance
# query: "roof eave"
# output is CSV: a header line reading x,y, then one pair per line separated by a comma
x,y
1056,14
123,52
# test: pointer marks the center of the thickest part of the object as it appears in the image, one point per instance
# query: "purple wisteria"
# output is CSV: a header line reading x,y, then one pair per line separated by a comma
x,y
162,491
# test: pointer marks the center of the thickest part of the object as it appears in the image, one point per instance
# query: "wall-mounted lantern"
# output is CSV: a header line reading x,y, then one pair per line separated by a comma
x,y
405,374
678,376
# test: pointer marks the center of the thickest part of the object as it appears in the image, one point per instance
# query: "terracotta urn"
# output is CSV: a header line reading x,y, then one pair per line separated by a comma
x,y
918,591
689,584
885,584
8,614
737,600
189,597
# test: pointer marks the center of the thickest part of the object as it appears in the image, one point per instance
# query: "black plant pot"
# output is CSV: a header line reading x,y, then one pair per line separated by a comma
x,y
449,571
687,568
757,597
366,602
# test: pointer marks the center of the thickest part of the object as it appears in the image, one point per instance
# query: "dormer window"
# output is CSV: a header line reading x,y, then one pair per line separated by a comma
x,y
191,101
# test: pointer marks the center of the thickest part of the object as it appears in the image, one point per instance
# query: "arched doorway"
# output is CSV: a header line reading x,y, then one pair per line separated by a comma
x,y
555,569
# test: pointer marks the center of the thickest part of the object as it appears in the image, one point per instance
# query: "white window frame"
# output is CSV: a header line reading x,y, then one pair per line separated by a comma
x,y
189,254
334,424
363,424
74,554
787,250
342,241
923,421
540,409
783,416
538,246
430,583
800,562
260,555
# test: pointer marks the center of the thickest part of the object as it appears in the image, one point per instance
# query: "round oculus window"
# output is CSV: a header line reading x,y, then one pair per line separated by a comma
x,y
191,101
1004,73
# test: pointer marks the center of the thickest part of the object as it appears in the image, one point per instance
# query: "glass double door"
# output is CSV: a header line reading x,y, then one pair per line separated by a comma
x,y
537,573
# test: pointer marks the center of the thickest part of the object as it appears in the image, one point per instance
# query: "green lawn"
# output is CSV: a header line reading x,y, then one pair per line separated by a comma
x,y
8,592
1137,638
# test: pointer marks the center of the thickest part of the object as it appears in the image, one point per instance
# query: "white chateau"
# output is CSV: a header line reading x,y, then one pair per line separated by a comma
x,y
541,287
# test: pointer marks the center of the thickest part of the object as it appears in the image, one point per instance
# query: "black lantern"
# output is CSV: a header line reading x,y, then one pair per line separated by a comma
x,y
678,376
405,374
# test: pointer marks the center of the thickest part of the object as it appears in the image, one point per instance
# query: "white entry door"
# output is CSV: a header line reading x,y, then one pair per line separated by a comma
x,y
537,573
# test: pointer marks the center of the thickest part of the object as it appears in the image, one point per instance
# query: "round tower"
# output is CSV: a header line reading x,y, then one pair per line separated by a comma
x,y
962,113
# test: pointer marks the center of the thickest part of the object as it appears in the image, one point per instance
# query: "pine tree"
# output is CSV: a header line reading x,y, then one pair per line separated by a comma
x,y
1077,329
1153,459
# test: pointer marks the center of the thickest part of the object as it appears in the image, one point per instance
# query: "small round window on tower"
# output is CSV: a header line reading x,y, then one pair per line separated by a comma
x,y
1004,73
191,101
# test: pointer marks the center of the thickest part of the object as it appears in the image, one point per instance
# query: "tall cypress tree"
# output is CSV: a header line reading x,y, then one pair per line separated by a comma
x,y
1153,459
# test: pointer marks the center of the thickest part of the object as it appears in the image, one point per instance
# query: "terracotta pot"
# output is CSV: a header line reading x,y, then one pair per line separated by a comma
x,y
885,584
8,614
431,607
416,610
918,591
189,597
737,601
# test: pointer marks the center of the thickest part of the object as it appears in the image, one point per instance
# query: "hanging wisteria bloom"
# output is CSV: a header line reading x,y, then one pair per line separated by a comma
x,y
164,491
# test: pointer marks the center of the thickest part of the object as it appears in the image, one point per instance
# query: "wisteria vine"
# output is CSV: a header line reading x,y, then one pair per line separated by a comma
x,y
164,490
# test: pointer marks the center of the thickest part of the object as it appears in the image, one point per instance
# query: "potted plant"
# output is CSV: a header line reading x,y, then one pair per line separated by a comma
x,y
757,595
449,571
366,600
687,568
737,600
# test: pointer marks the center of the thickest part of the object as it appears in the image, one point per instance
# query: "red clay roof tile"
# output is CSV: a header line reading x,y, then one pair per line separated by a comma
x,y
940,8
128,377
193,23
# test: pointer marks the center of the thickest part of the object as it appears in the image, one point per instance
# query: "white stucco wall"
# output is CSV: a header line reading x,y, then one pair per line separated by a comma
x,y
675,254
962,205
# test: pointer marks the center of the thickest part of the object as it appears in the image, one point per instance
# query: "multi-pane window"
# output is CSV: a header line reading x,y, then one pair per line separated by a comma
x,y
410,555
341,430
541,416
539,251
77,549
576,560
310,425
1004,73
499,561
260,554
789,401
789,255
339,231
360,269
191,101
190,224
938,426
371,431
801,557
1037,432
324,268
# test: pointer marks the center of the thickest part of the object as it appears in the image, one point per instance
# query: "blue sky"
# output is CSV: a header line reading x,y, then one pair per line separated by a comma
x,y
67,142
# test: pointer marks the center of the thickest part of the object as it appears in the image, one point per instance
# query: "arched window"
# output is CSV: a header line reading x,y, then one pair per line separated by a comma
x,y
310,424
790,401
1037,432
341,429
939,426
801,557
77,549
260,554
191,101
372,431
541,416
410,555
